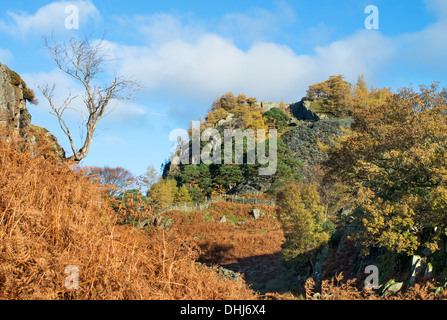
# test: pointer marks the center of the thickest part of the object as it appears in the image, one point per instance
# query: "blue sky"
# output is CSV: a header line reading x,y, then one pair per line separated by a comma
x,y
187,53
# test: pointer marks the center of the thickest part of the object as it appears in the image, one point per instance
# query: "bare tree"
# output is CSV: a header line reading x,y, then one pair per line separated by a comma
x,y
148,179
116,180
86,61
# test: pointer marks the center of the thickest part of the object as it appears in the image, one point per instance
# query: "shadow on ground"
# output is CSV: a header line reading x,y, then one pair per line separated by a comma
x,y
264,273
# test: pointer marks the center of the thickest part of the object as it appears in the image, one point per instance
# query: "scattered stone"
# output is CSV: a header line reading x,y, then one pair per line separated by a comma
x,y
145,223
428,270
391,288
224,272
223,219
440,290
256,213
166,223
157,221
416,267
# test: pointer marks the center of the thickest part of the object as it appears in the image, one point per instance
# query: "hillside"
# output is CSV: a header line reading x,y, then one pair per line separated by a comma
x,y
55,225
339,141
344,199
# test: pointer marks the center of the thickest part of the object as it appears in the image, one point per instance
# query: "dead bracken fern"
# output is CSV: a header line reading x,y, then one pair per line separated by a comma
x,y
52,217
338,289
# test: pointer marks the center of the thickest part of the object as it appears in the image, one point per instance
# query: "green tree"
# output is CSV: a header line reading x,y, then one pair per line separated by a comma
x,y
182,195
302,219
288,169
228,176
277,119
197,176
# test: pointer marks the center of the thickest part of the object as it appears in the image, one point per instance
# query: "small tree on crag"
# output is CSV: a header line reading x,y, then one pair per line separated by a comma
x,y
332,96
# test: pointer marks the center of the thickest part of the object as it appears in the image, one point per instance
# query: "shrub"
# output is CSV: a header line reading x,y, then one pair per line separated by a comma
x,y
16,80
276,118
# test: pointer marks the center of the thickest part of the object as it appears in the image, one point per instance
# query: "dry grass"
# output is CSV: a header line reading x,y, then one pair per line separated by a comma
x,y
339,289
238,238
52,217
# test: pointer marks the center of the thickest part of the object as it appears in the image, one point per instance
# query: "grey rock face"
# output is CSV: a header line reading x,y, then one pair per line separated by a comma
x,y
302,111
303,140
269,105
13,112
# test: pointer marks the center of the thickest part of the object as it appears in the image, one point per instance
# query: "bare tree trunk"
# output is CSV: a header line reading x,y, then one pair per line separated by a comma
x,y
85,61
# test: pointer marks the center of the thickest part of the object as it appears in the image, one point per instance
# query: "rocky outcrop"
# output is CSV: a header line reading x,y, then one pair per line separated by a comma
x,y
14,115
269,105
302,111
13,112
303,140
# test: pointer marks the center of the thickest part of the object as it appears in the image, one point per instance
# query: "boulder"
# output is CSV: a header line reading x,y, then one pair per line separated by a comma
x,y
269,105
166,223
146,222
416,268
302,111
428,270
158,220
223,219
253,185
227,121
256,213
390,288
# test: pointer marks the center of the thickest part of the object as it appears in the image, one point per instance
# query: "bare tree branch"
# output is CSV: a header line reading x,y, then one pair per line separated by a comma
x,y
85,61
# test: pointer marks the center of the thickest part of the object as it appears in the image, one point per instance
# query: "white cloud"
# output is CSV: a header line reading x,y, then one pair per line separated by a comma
x,y
426,49
163,27
366,52
126,111
257,24
112,140
178,59
47,19
209,65
439,7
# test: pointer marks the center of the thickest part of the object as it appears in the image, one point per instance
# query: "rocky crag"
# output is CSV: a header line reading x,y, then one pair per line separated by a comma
x,y
14,115
308,130
13,112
